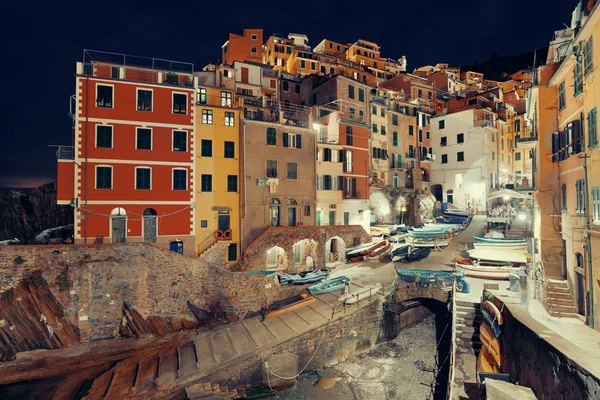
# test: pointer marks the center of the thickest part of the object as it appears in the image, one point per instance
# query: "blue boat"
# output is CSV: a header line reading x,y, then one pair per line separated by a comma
x,y
492,322
480,239
427,234
268,274
450,220
330,285
303,278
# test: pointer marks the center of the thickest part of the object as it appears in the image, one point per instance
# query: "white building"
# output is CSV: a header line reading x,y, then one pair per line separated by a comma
x,y
466,167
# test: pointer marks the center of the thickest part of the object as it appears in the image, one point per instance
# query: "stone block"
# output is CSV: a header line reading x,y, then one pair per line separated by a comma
x,y
500,390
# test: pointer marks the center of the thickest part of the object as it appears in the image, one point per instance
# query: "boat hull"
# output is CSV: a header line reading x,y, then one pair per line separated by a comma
x,y
480,239
329,286
483,271
290,304
500,246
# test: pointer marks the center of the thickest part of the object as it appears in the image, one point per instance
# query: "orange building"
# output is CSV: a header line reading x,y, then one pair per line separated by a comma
x,y
245,47
129,174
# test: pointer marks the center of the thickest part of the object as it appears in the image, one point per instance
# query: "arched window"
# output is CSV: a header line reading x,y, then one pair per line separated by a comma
x,y
149,212
292,202
579,258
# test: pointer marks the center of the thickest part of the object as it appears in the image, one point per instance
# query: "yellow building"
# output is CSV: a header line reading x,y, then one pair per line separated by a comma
x,y
218,184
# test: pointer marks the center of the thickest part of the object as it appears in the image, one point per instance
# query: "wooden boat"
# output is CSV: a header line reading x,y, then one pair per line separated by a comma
x,y
351,298
268,274
425,278
290,304
330,285
450,220
374,247
379,252
427,242
480,239
501,246
303,278
483,271
418,253
491,322
427,234
494,312
400,252
494,234
380,230
505,256
357,250
485,362
397,238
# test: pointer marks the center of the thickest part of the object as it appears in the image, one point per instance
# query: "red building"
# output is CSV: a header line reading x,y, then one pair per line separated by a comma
x,y
129,174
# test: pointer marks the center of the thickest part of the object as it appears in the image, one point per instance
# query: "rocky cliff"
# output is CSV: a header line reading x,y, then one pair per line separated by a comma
x,y
25,213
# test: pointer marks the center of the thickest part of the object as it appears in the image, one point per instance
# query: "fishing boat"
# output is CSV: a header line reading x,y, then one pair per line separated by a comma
x,y
486,363
491,343
479,239
424,278
484,271
418,253
380,230
330,285
492,323
290,304
400,252
494,234
450,220
379,252
303,278
351,298
428,242
427,234
397,238
501,246
506,256
494,312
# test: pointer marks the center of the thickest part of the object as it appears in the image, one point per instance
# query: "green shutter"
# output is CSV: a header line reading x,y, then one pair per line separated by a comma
x,y
298,141
286,139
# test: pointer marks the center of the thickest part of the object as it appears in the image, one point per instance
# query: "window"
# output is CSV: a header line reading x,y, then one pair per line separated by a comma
x,y
207,117
115,73
232,183
271,136
395,139
202,96
271,169
420,135
293,140
517,156
361,215
375,130
517,126
104,136
254,37
142,178
383,132
427,135
411,130
144,100
327,154
179,141
349,136
441,124
596,205
143,139
382,112
444,158
104,96
206,149
460,156
374,110
206,183
361,95
292,170
229,119
232,252
588,57
592,129
253,49
460,138
493,137
179,103
286,86
561,96
347,159
563,192
579,192
307,210
493,155
420,93
180,179
443,141
203,223
395,119
577,78
229,150
103,177
297,89
226,99
350,91
313,65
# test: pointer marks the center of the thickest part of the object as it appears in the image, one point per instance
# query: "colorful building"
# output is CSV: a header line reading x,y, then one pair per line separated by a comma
x,y
130,174
245,47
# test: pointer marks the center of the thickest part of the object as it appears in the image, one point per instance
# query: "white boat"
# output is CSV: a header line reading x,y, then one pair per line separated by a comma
x,y
427,242
397,238
508,256
351,298
501,246
494,234
483,271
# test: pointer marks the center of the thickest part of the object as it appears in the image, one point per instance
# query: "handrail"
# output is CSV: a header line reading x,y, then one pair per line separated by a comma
x,y
210,236
453,344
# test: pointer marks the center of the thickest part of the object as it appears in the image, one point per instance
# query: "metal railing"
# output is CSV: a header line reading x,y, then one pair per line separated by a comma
x,y
521,139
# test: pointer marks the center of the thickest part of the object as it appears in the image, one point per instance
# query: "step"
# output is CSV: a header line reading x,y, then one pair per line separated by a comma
x,y
555,295
204,352
557,290
555,283
468,304
564,309
167,367
467,330
146,373
188,364
559,302
222,346
563,314
467,314
123,380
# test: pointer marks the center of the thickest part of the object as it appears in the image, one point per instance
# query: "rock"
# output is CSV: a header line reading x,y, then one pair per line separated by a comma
x,y
284,364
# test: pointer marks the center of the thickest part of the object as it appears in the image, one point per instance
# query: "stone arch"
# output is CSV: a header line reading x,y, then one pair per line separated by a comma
x,y
437,191
380,206
401,210
276,258
303,250
335,249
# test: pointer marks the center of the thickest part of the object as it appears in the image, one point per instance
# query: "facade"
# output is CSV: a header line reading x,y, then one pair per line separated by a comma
x,y
245,47
130,174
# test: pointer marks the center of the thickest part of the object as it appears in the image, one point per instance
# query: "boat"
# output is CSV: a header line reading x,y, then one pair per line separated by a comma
x,y
480,239
501,246
290,304
492,323
505,256
494,312
425,278
418,253
486,363
379,252
491,343
303,278
427,242
380,230
400,252
397,238
427,234
484,271
494,234
449,208
330,285
267,273
358,249
351,298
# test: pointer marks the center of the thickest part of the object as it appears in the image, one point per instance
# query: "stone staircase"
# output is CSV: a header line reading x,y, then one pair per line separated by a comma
x,y
559,301
468,320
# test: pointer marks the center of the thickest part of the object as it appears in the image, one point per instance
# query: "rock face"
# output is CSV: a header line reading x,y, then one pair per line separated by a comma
x,y
25,213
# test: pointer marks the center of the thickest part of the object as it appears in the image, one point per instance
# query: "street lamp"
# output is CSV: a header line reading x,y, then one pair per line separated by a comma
x,y
402,210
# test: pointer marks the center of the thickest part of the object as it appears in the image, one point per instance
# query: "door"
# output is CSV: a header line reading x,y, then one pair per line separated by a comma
x,y
318,217
292,216
223,223
450,198
244,75
331,217
297,253
150,229
580,294
118,229
346,218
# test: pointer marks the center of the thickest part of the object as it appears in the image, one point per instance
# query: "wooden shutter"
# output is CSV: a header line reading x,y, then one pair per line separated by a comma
x,y
286,139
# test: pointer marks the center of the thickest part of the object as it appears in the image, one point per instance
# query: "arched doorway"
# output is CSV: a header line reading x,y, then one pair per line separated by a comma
x,y
276,258
424,175
304,250
580,282
438,192
150,225
380,206
335,249
118,225
292,207
274,208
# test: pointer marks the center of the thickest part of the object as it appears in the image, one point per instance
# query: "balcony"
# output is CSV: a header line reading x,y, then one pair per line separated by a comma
x,y
355,194
526,142
411,155
65,153
484,123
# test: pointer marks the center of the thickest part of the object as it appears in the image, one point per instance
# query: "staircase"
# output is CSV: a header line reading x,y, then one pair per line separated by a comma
x,y
559,301
468,319
207,250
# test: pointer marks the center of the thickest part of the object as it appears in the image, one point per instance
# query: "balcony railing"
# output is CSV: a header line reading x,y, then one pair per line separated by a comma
x,y
484,123
355,194
65,153
526,142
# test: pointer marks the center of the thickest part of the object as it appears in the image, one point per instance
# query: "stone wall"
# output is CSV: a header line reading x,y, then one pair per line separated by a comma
x,y
91,284
255,255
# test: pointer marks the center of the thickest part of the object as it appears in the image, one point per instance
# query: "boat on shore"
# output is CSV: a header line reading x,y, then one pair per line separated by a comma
x,y
480,239
330,285
501,246
479,270
303,278
515,257
400,252
429,233
352,298
290,304
428,242
379,252
417,254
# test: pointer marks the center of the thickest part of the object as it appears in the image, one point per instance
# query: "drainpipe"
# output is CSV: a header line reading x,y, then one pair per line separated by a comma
x,y
244,184
588,245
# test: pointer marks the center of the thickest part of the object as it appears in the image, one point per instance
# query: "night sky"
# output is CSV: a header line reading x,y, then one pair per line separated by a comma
x,y
42,41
